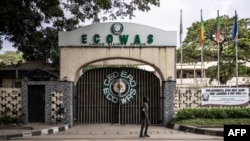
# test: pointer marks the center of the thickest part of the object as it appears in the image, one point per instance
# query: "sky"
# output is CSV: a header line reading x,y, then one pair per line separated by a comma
x,y
167,16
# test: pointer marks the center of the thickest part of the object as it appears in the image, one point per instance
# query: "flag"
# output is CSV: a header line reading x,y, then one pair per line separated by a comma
x,y
218,29
202,30
235,28
181,28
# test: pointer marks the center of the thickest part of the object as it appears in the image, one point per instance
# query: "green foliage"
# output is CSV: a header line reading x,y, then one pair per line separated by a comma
x,y
10,58
32,26
211,122
6,120
91,67
227,71
1,44
192,49
213,113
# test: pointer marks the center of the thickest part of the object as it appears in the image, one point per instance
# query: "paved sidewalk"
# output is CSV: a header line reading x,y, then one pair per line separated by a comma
x,y
31,129
108,131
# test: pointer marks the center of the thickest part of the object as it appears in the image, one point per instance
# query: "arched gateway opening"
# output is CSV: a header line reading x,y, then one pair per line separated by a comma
x,y
114,94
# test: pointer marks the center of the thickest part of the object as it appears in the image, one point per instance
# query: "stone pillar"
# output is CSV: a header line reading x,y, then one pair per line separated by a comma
x,y
169,88
67,89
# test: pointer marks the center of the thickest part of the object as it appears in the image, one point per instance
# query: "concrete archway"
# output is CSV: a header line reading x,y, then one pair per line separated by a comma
x,y
72,59
105,43
118,61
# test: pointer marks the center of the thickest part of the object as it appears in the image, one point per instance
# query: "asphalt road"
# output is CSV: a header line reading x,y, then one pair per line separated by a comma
x,y
104,132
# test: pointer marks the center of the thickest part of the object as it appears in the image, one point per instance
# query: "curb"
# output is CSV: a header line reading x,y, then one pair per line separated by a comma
x,y
54,130
37,133
195,130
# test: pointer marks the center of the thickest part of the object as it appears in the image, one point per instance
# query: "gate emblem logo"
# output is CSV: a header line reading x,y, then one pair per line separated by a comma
x,y
117,28
119,87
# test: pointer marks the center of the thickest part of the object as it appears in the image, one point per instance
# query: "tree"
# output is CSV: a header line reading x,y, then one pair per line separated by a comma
x,y
192,53
1,44
32,25
10,58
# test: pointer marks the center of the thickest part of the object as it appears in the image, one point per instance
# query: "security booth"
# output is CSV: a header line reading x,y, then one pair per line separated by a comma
x,y
103,62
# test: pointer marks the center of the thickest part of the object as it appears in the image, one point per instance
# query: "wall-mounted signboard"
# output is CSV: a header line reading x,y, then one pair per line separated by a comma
x,y
116,34
224,96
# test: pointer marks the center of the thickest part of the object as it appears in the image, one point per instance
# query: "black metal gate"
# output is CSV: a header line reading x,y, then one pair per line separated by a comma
x,y
94,104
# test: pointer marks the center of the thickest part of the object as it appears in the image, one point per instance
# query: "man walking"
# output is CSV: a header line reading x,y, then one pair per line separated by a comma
x,y
144,118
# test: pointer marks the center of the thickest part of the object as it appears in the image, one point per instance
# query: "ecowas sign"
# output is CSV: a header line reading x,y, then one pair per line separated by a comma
x,y
119,87
117,29
116,34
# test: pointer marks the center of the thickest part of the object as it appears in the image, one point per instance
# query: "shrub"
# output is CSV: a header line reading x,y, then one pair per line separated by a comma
x,y
213,113
11,120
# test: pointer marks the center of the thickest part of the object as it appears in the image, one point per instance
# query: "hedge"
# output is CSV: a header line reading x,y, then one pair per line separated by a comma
x,y
213,113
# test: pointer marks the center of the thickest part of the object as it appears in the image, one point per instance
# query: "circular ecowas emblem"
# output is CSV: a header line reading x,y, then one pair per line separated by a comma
x,y
117,28
119,87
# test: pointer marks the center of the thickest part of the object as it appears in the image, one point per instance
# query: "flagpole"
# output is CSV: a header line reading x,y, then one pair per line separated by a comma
x,y
218,63
181,43
202,44
218,44
202,64
236,49
236,55
235,39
